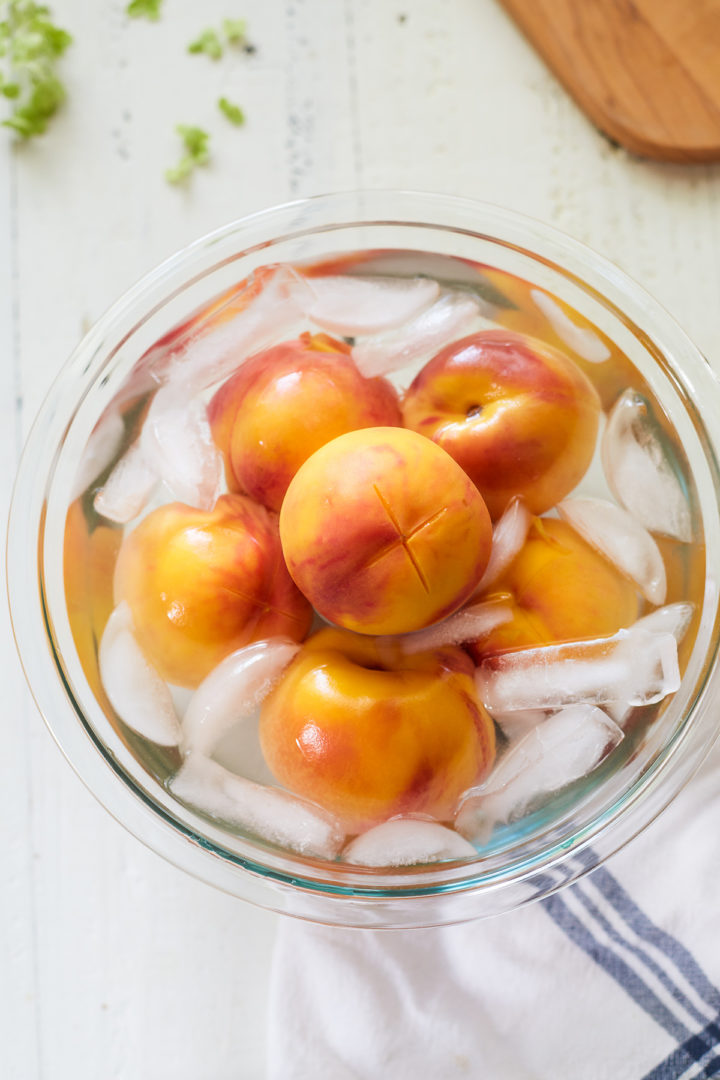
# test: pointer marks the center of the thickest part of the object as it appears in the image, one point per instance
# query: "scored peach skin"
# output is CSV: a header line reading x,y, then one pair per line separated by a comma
x,y
368,733
383,532
518,416
287,402
559,589
201,584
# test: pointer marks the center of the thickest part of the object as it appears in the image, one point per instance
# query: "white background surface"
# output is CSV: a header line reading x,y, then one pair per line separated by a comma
x,y
114,965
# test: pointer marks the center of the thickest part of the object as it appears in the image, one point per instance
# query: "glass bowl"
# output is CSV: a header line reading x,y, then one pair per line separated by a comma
x,y
548,849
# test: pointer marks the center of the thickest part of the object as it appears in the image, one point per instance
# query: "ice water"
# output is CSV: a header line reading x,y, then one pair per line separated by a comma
x,y
566,715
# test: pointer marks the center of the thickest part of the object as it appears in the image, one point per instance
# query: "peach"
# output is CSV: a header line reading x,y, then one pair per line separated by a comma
x,y
383,532
560,589
368,733
517,415
285,403
201,584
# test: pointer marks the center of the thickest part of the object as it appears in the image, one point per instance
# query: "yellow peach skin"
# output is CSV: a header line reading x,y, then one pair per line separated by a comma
x,y
287,402
560,589
383,532
518,416
201,584
368,733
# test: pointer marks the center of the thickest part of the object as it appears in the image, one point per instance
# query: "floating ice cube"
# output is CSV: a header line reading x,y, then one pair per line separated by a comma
x,y
215,345
176,439
355,305
467,625
128,488
509,535
102,446
564,748
514,725
269,813
634,667
640,471
233,690
622,539
673,619
583,340
134,688
407,842
618,711
448,319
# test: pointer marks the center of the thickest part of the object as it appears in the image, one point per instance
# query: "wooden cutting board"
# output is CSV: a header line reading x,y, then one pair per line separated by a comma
x,y
647,72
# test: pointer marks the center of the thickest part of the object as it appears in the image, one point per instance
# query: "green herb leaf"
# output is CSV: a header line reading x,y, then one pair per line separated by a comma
x,y
235,31
144,9
30,45
195,143
209,43
233,112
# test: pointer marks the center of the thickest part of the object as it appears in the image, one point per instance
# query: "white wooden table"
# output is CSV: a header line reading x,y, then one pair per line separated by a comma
x,y
114,965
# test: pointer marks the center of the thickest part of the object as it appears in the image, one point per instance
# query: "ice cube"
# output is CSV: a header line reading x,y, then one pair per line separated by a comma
x,y
213,347
583,340
446,320
134,688
509,535
673,619
467,625
514,725
566,747
618,711
634,666
176,439
128,488
233,690
640,471
102,446
268,813
407,842
622,539
356,305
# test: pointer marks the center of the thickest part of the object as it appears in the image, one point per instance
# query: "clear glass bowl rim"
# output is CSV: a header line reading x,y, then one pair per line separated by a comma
x,y
87,755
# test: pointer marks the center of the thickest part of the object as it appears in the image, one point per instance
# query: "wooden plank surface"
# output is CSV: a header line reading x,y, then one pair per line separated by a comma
x,y
114,965
647,72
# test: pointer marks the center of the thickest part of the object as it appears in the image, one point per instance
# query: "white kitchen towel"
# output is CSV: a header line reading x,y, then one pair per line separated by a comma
x,y
616,977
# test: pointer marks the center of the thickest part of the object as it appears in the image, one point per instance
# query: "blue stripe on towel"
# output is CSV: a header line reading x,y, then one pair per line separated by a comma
x,y
662,975
616,967
692,1053
696,1057
635,918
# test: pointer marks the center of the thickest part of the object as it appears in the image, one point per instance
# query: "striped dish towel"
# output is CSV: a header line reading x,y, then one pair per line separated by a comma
x,y
616,977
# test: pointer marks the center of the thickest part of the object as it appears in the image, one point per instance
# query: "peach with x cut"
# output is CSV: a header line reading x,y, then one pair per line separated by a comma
x,y
201,584
383,532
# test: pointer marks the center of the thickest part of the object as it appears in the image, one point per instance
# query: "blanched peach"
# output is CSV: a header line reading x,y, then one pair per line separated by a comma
x,y
368,733
201,584
287,402
517,415
383,532
560,589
